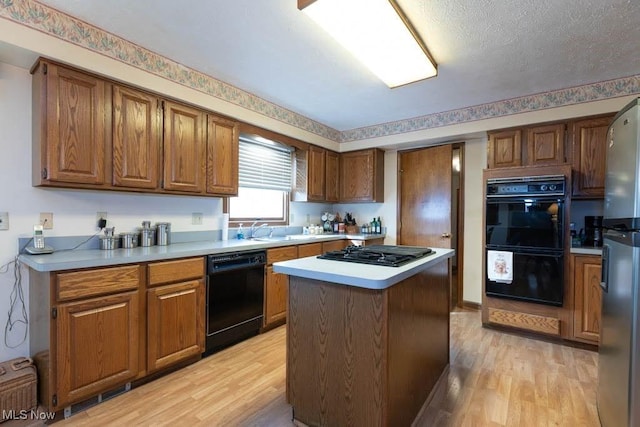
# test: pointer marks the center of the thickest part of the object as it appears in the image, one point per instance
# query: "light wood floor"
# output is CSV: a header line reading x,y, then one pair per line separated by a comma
x,y
495,379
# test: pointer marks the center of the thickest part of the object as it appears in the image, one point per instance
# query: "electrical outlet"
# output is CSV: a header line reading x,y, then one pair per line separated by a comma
x,y
46,220
101,215
4,220
196,218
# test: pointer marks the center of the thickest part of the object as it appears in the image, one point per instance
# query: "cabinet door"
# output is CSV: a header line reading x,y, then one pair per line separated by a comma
x,y
97,346
589,143
545,145
222,156
505,149
175,323
331,176
362,176
275,297
136,138
587,298
76,127
316,177
184,148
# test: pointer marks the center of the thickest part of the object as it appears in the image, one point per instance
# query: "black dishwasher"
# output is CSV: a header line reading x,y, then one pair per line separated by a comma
x,y
235,296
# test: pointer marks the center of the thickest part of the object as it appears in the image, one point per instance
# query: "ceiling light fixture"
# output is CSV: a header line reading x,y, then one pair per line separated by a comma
x,y
378,34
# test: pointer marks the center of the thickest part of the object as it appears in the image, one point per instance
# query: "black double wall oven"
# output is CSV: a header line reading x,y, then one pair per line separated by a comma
x,y
524,241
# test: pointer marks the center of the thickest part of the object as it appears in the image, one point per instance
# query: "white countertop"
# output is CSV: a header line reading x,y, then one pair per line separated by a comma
x,y
359,275
586,251
70,260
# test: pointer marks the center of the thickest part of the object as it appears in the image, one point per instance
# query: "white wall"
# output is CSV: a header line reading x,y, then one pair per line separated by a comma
x,y
74,210
475,160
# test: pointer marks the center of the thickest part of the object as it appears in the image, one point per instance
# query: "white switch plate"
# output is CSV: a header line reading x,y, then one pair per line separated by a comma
x,y
4,220
196,218
46,219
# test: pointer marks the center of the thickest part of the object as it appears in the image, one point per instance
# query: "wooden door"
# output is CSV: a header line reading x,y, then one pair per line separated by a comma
x,y
316,174
589,144
97,346
136,138
505,149
277,288
425,197
331,176
545,145
184,148
175,323
587,298
76,126
222,156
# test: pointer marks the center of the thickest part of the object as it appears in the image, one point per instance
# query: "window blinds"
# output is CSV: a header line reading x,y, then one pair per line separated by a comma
x,y
264,166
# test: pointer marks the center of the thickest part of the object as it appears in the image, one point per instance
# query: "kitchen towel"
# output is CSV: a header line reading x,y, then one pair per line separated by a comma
x,y
225,226
500,266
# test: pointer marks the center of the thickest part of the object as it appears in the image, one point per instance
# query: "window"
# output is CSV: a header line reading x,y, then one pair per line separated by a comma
x,y
264,182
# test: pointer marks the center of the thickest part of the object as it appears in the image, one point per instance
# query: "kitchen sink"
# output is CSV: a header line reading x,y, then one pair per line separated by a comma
x,y
290,237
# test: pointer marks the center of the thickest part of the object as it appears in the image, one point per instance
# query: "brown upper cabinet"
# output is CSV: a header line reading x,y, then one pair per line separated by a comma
x,y
222,156
589,147
545,145
533,146
69,126
362,176
332,171
315,175
504,149
184,148
136,138
90,132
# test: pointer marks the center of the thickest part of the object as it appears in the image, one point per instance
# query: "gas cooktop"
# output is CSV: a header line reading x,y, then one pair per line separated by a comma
x,y
384,255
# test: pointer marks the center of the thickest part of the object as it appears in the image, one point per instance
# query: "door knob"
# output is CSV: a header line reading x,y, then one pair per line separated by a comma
x,y
445,235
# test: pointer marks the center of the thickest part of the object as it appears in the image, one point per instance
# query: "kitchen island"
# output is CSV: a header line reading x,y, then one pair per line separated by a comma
x,y
366,344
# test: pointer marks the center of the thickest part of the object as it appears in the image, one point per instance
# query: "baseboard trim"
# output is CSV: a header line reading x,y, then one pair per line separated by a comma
x,y
470,305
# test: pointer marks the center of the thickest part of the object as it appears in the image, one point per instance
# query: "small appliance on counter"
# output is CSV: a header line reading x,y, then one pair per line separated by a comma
x,y
38,248
593,231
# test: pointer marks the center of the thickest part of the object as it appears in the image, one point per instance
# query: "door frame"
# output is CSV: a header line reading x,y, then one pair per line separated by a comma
x,y
459,217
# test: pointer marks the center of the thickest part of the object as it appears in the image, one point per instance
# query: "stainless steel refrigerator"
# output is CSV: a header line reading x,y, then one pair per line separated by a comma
x,y
619,359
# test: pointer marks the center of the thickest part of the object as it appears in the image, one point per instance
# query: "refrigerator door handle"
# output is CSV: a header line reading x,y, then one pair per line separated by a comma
x,y
604,268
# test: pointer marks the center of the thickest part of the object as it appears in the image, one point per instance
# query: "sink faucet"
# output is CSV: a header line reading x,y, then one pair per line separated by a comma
x,y
253,229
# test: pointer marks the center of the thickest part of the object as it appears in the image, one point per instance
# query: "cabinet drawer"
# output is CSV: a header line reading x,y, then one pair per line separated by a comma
x,y
309,250
282,254
101,281
334,245
178,270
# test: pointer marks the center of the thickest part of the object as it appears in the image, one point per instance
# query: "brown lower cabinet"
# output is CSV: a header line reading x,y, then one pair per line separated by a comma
x,y
587,298
175,312
276,286
91,330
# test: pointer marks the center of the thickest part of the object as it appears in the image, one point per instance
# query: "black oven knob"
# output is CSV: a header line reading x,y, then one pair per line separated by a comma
x,y
552,187
543,187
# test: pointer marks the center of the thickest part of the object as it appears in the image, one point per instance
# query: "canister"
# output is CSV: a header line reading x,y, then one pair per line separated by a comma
x,y
163,235
129,240
108,243
147,237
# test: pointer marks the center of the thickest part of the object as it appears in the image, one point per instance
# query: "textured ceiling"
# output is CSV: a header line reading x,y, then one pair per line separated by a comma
x,y
486,50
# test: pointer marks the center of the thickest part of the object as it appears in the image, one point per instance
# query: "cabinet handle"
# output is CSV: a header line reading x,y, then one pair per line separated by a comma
x,y
445,235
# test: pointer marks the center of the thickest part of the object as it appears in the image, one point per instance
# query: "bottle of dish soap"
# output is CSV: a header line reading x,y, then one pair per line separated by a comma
x,y
240,233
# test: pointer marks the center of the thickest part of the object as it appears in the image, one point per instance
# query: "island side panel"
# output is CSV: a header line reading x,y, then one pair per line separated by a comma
x,y
418,340
336,355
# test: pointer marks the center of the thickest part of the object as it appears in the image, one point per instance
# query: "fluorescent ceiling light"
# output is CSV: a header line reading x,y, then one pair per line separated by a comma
x,y
378,34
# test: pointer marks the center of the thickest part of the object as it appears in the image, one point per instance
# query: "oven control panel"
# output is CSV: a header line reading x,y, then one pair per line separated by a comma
x,y
526,186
